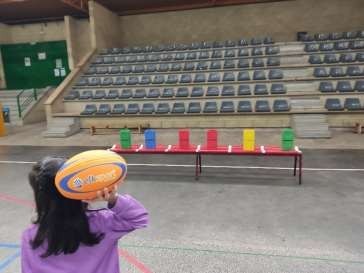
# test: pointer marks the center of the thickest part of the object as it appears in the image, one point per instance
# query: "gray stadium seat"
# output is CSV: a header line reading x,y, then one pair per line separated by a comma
x,y
321,36
229,43
357,44
195,45
133,80
344,86
112,94
244,90
352,104
107,81
278,88
202,66
189,66
139,93
214,77
243,52
258,62
99,94
90,109
104,109
163,108
154,93
118,109
229,64
171,79
217,44
330,59
350,35
259,75
256,41
204,55
72,95
337,72
227,107
115,70
243,42
359,86
108,60
180,56
163,67
359,57
354,71
262,106
244,106
158,79
257,51
148,108
133,108
342,45
273,61
312,47
154,58
228,90
215,65
138,68
212,91
327,46
360,34
86,95
320,72
166,57
197,92
120,59
333,105
191,56
194,107
120,80
102,70
182,92
126,94
275,74
307,38
98,60
130,59
186,78
315,59
230,53
243,76
168,93
176,67
178,108
228,77
272,50
268,40
347,58
91,70
146,79
210,107
151,68
280,106
243,63
141,59
260,89
326,87
94,81
207,45
200,77
335,36
216,54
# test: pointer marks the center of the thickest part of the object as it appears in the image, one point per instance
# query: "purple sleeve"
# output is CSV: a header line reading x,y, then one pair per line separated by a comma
x,y
126,215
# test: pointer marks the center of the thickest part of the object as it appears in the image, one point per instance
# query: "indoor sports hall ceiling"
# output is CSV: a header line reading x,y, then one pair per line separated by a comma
x,y
25,11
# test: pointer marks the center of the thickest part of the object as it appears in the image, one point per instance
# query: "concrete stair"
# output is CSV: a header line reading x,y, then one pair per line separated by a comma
x,y
62,127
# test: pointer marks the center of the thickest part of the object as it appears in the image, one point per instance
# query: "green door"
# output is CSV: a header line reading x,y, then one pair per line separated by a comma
x,y
35,65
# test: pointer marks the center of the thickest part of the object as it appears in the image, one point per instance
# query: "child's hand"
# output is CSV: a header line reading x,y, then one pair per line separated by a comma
x,y
109,197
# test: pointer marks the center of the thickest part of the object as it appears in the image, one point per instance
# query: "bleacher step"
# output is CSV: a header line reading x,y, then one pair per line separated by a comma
x,y
311,126
62,127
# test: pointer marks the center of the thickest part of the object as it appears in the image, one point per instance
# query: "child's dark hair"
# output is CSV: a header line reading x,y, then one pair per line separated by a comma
x,y
62,223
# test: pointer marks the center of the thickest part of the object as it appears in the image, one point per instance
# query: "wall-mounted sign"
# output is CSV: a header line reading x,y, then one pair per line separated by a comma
x,y
42,56
59,63
27,61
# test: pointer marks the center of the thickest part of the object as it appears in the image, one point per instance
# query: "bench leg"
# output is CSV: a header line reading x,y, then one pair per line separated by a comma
x,y
197,166
300,169
295,166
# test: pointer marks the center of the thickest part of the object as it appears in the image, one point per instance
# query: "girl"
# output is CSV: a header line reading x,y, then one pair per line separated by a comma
x,y
65,237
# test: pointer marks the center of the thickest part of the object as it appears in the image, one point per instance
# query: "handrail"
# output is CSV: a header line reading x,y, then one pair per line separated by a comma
x,y
23,104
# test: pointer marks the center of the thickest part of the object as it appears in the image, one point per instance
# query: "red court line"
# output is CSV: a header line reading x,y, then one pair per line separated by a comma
x,y
131,259
122,253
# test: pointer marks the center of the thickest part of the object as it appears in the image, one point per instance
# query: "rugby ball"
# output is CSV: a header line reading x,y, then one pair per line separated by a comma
x,y
84,174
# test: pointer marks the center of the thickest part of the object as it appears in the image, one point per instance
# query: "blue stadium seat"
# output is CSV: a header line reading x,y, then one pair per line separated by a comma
x,y
347,58
107,81
320,72
158,79
359,86
154,93
229,64
94,81
321,37
315,59
330,59
172,79
228,77
194,108
258,62
200,77
182,92
352,104
335,36
189,66
176,67
166,57
148,108
217,44
86,95
342,45
120,80
138,68
91,70
281,106
333,104
359,57
197,92
72,95
163,67
151,68
268,40
202,66
275,74
168,92
337,72
259,75
210,107
357,44
163,108
139,93
244,106
244,90
216,54
146,79
133,80
215,65
112,94
230,53
243,63
186,78
99,94
118,109
273,61
228,90
214,77
344,86
180,56
243,76
327,46
260,89
312,47
350,35
133,108
326,87
213,91
104,109
126,94
243,52
354,71
257,51
227,107
256,41
116,70
262,106
102,70
272,50
90,109
278,88
229,43
191,56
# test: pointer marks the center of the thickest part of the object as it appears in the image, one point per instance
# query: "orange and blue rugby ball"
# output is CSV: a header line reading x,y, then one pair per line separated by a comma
x,y
84,174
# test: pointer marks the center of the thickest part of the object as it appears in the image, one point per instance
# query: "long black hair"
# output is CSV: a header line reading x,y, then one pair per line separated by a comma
x,y
62,223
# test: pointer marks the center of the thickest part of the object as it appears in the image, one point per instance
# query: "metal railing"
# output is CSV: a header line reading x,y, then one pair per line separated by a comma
x,y
24,99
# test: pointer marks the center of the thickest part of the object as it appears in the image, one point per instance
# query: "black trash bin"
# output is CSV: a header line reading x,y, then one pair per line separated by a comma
x,y
6,114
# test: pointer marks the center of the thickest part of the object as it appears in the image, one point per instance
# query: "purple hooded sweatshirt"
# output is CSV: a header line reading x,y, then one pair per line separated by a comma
x,y
127,215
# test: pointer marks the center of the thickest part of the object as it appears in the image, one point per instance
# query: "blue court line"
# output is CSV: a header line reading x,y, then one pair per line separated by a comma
x,y
9,245
9,260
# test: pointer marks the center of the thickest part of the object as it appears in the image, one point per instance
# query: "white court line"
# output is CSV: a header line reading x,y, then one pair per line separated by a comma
x,y
212,166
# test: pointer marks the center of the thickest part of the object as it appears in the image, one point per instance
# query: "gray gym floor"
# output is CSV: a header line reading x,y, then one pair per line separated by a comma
x,y
231,220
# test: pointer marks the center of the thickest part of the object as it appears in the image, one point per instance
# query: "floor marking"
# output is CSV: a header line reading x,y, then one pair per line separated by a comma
x,y
16,200
132,260
244,253
4,245
215,166
8,261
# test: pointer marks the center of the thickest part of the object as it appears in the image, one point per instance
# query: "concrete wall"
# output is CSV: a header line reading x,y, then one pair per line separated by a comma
x,y
280,19
78,39
105,27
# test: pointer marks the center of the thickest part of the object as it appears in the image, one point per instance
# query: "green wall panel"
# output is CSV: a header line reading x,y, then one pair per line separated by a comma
x,y
41,71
